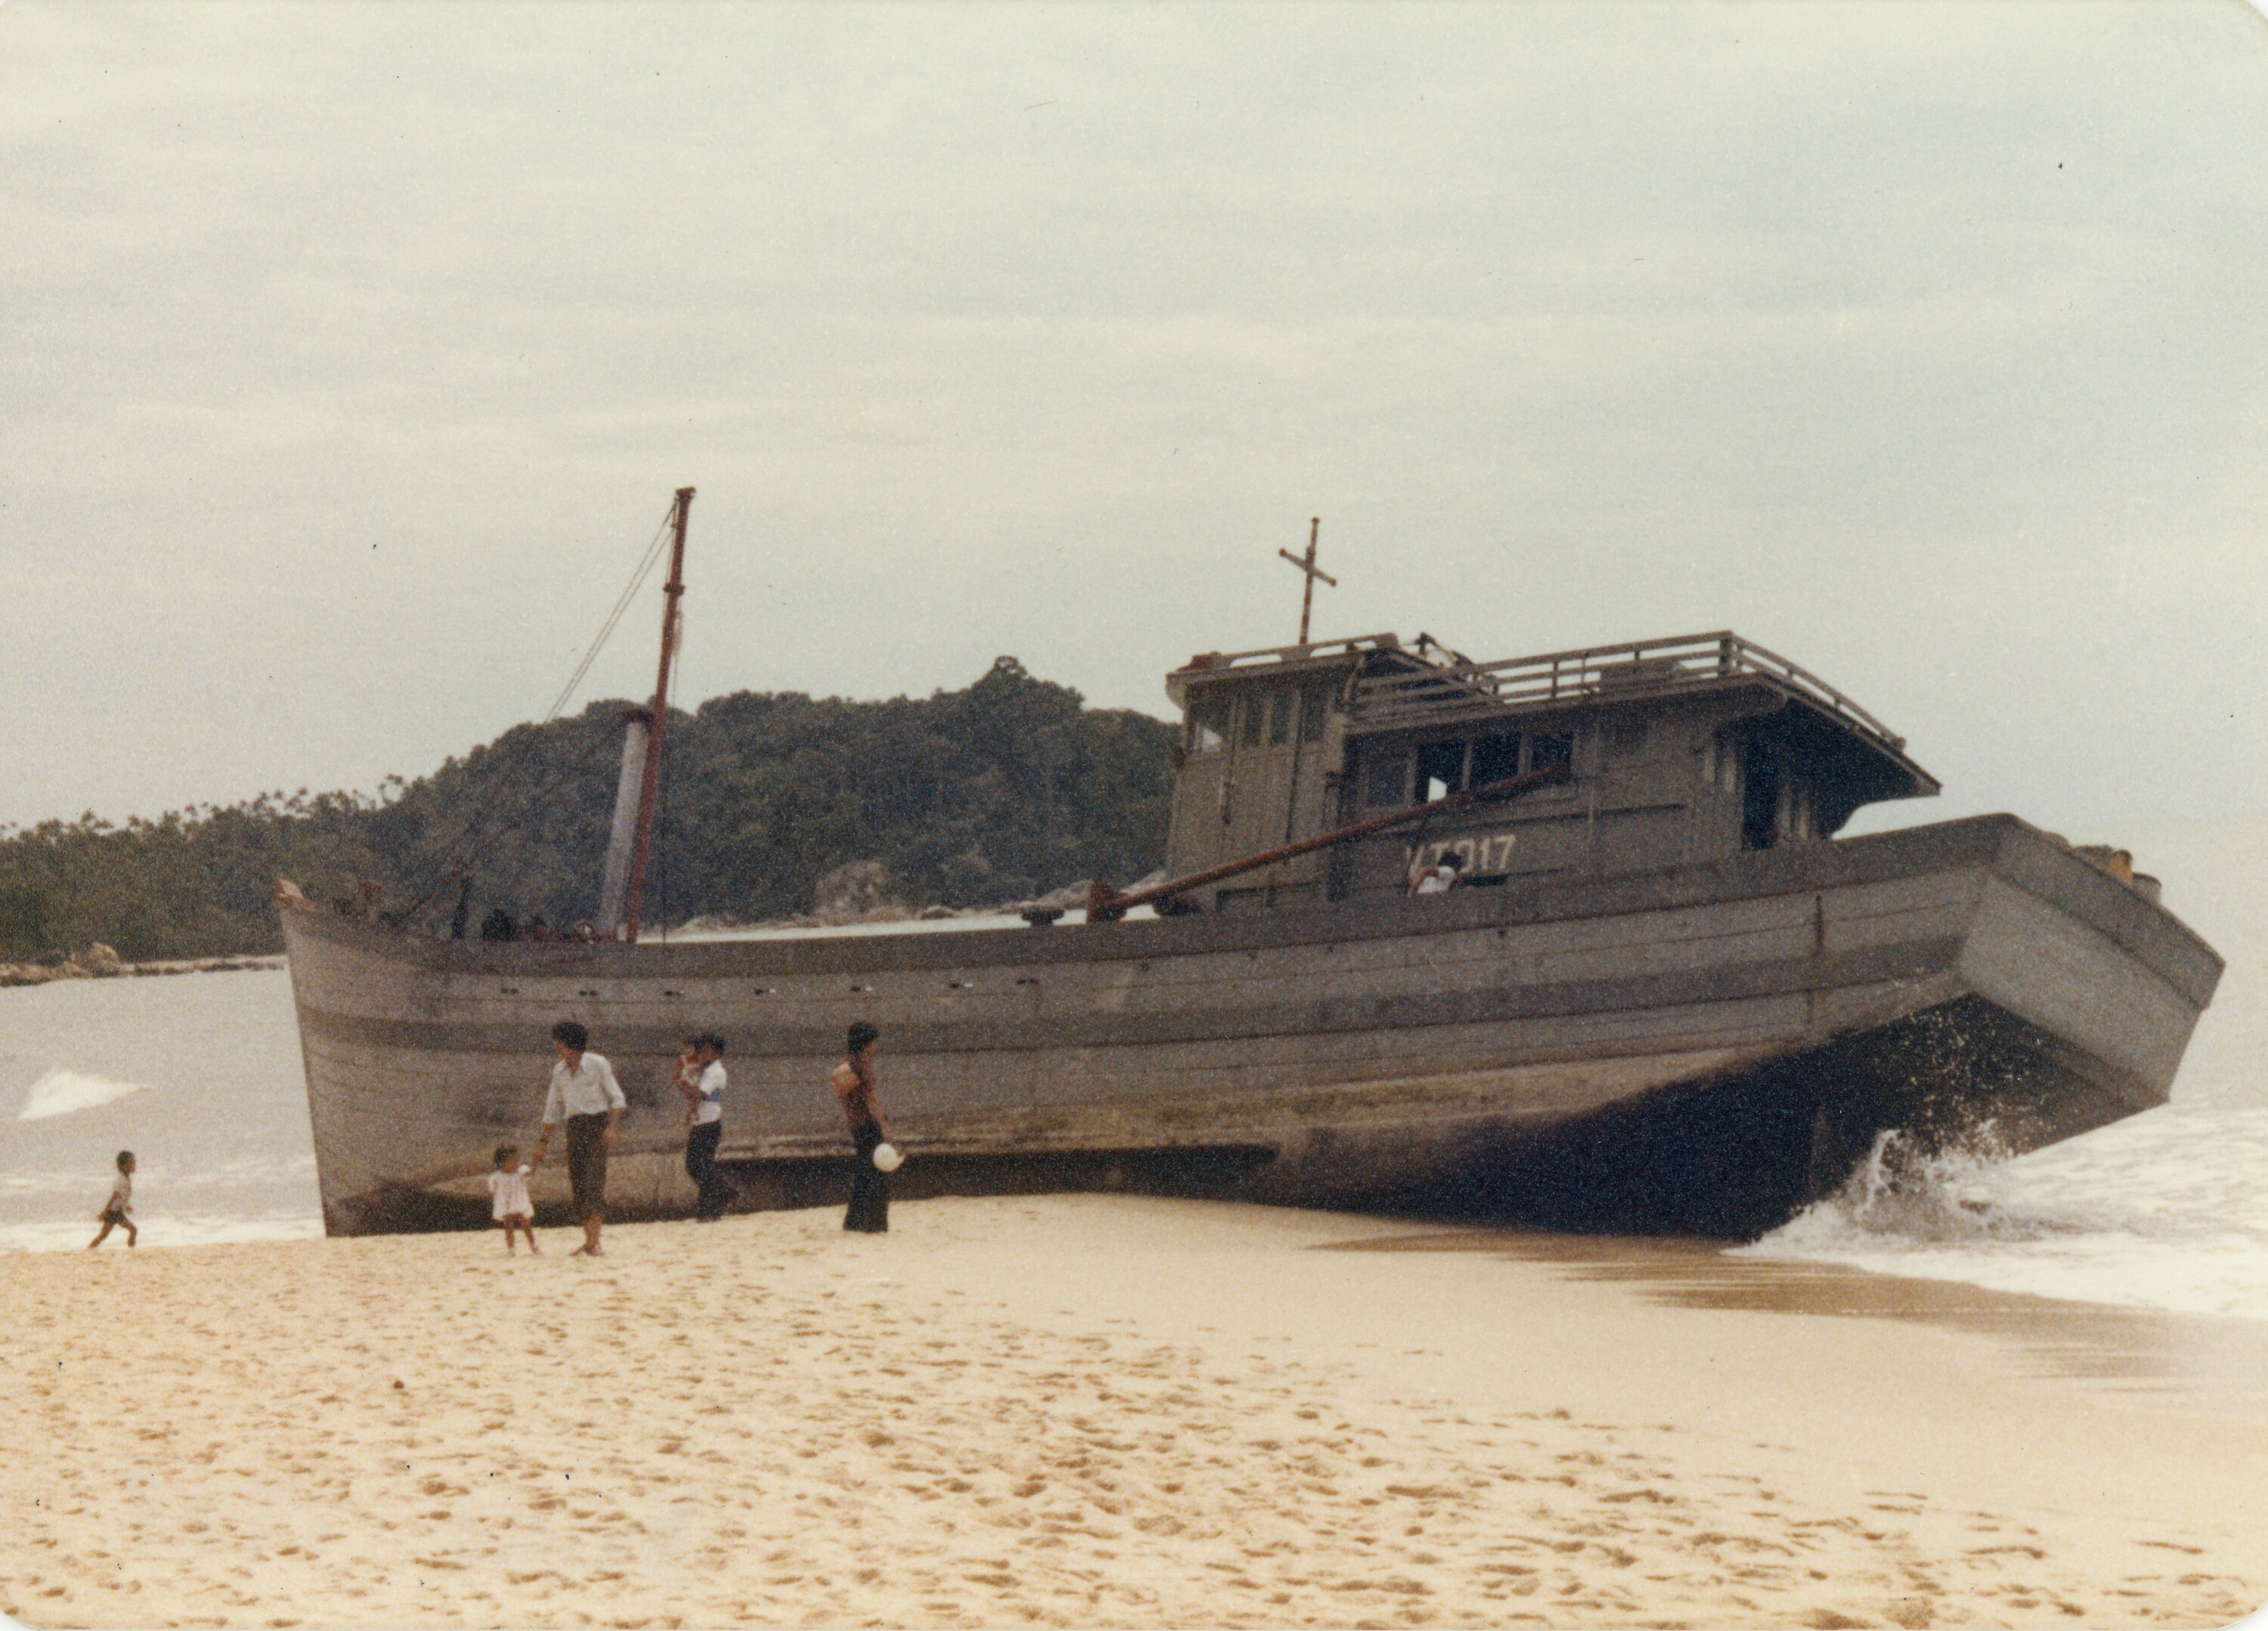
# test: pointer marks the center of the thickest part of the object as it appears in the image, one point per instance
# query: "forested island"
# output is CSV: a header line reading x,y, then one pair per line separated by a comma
x,y
999,791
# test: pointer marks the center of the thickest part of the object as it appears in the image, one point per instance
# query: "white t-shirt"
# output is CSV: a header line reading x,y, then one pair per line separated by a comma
x,y
509,1191
1437,881
589,1089
711,1107
122,1194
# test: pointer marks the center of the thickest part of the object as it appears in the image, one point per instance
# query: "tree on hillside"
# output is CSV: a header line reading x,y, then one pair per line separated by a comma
x,y
1006,788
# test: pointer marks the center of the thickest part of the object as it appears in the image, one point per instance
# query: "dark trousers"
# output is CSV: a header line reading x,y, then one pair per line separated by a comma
x,y
587,1166
701,1167
869,1192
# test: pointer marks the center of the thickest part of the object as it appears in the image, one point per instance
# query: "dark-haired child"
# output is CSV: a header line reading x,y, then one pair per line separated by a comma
x,y
118,1209
508,1197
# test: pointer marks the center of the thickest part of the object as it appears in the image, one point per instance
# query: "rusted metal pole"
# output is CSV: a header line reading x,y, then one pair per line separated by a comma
x,y
1306,564
1106,905
652,785
1307,589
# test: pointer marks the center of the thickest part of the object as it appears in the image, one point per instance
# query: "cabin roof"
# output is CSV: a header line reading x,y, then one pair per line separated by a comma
x,y
1207,666
1400,687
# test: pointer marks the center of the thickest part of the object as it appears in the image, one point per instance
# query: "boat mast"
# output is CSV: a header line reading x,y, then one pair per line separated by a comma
x,y
1306,564
651,782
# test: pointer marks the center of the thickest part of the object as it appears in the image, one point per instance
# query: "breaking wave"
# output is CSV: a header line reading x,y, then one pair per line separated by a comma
x,y
2165,1210
64,1092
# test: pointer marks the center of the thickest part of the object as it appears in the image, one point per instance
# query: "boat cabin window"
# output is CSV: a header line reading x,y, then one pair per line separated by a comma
x,y
1316,703
1279,716
1760,797
1440,771
1495,758
1255,718
1207,727
1386,778
1446,768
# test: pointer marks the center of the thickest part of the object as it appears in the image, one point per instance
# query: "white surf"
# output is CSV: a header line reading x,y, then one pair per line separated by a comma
x,y
66,1092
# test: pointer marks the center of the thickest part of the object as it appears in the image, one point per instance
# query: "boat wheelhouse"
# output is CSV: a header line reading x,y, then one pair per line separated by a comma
x,y
1677,751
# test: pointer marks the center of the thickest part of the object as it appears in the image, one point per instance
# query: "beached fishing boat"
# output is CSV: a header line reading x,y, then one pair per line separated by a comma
x,y
1662,995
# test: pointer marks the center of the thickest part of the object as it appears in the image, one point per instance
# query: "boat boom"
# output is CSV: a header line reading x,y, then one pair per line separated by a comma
x,y
1107,904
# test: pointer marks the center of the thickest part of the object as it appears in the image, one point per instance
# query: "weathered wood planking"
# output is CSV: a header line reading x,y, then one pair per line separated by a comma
x,y
1360,1048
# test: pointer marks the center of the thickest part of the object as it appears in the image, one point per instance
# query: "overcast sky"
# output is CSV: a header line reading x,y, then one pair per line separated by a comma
x,y
351,354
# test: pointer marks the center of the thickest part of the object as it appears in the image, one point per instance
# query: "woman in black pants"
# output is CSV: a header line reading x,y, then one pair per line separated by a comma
x,y
854,1084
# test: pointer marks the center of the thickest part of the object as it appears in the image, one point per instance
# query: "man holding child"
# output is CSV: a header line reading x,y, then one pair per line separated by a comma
x,y
700,1081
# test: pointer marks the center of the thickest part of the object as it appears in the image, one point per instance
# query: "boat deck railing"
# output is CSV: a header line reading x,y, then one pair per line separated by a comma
x,y
1453,687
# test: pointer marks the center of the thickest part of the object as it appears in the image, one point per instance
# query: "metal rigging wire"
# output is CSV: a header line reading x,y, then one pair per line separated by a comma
x,y
622,604
457,850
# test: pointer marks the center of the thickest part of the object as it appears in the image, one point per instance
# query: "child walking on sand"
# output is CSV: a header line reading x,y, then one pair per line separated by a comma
x,y
119,1209
510,1204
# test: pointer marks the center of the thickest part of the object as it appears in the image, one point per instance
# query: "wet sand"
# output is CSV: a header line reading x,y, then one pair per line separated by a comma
x,y
2198,1361
1101,1411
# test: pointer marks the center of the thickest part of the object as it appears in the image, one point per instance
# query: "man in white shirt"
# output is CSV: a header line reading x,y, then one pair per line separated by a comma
x,y
584,1094
701,1080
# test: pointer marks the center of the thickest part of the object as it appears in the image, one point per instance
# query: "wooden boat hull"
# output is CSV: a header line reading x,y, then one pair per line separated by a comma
x,y
1697,1049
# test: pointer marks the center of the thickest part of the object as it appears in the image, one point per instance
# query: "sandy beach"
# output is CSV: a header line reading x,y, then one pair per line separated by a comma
x,y
1101,1411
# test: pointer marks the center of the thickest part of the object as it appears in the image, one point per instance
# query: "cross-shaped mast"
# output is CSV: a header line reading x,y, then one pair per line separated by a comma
x,y
1307,565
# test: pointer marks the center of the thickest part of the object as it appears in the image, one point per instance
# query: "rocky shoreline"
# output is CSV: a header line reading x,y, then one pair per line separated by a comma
x,y
98,961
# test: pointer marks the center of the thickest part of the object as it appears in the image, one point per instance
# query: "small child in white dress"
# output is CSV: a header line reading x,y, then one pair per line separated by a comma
x,y
509,1205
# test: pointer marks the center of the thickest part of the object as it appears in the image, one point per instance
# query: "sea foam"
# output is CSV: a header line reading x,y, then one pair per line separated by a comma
x,y
65,1092
2165,1209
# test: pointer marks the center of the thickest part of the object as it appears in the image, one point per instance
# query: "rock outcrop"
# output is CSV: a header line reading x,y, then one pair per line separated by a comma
x,y
98,961
856,891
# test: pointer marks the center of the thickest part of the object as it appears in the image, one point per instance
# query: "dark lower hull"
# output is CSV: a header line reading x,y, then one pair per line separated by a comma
x,y
1737,1155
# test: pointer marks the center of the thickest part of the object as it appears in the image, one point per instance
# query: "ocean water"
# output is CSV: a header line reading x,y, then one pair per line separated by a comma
x,y
2167,1209
200,1074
